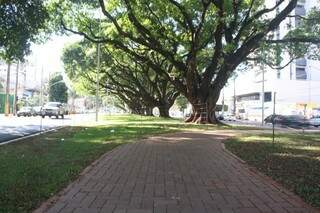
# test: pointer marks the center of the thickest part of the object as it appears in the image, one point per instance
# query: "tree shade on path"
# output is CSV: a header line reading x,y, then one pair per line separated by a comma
x,y
181,172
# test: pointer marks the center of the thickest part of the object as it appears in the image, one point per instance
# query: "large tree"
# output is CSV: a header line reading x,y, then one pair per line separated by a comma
x,y
205,41
20,24
139,86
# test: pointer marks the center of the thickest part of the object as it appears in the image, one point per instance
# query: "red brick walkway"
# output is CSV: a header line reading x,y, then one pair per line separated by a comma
x,y
184,172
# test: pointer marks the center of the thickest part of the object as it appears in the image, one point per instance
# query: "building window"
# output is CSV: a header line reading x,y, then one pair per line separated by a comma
x,y
267,97
301,2
249,97
299,11
301,73
301,62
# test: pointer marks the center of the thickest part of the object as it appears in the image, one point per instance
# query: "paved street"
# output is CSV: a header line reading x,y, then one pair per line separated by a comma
x,y
181,172
269,126
15,127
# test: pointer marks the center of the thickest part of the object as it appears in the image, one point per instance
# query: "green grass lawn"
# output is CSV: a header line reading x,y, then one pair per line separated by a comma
x,y
33,170
294,160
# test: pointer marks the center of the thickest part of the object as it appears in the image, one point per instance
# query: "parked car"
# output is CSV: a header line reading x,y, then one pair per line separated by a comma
x,y
53,109
37,110
25,111
229,117
270,118
315,121
220,117
226,117
294,121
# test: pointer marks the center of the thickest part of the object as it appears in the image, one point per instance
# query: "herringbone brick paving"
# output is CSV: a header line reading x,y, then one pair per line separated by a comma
x,y
181,172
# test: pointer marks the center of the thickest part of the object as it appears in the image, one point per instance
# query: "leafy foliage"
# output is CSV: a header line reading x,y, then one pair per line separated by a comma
x,y
182,102
136,84
58,91
204,41
20,24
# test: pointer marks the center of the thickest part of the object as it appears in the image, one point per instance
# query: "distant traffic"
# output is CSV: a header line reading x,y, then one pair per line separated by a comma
x,y
291,121
50,109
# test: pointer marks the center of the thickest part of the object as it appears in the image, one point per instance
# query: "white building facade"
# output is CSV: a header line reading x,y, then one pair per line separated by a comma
x,y
297,86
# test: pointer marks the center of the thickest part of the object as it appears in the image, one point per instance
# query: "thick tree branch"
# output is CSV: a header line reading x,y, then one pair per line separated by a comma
x,y
313,40
270,64
185,14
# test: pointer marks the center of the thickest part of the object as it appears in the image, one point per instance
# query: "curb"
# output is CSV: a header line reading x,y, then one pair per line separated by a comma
x,y
230,153
31,135
254,171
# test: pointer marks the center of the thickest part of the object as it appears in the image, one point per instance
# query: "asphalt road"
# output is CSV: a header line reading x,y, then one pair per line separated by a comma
x,y
269,126
15,127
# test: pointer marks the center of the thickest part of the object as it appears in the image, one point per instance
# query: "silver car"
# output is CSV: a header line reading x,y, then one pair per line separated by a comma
x,y
53,109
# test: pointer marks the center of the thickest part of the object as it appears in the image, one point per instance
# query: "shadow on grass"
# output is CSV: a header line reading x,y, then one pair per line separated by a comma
x,y
294,166
33,170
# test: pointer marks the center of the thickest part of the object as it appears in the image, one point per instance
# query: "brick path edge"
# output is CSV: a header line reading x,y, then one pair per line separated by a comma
x,y
51,201
280,187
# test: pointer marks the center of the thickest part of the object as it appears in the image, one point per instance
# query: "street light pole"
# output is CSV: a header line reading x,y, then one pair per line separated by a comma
x,y
16,91
262,97
97,82
41,98
234,97
222,110
273,116
7,104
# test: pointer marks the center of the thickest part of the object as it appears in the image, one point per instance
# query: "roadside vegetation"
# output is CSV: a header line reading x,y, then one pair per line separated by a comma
x,y
293,160
35,169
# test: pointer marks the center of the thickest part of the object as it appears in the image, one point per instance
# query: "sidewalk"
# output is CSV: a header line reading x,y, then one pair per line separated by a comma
x,y
181,172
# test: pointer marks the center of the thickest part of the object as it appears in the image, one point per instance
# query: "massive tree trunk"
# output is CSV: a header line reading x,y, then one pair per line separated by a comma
x,y
149,111
166,103
164,111
203,109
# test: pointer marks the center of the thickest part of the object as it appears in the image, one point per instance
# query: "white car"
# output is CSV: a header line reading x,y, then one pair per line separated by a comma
x,y
315,121
230,118
53,109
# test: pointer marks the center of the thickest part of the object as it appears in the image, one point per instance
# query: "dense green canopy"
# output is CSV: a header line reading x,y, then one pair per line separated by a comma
x,y
205,41
20,23
136,84
58,91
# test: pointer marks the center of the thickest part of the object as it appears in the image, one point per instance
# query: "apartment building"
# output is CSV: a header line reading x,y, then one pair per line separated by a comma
x,y
297,86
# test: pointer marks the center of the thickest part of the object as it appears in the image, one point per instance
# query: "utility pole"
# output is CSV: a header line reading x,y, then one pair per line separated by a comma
x,y
97,81
309,89
273,116
7,104
15,108
41,88
41,98
222,110
234,97
262,97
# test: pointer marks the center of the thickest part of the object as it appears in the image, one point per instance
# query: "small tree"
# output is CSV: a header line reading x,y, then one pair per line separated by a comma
x,y
182,103
58,90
